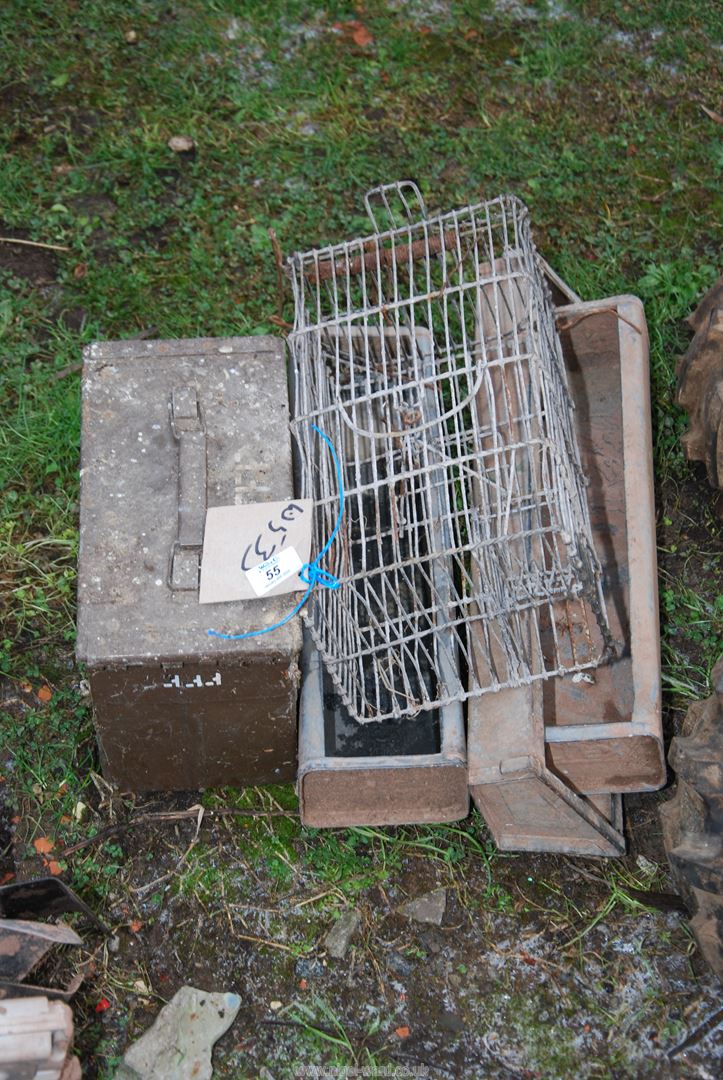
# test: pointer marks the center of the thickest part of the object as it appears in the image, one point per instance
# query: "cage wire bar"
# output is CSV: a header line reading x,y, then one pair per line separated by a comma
x,y
427,352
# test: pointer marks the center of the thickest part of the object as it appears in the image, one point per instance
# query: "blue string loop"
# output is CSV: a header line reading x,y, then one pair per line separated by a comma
x,y
312,573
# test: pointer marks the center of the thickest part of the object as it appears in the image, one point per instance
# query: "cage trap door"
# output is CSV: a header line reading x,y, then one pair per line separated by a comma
x,y
526,806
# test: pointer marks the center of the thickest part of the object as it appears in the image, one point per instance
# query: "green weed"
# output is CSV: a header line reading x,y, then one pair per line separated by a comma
x,y
326,1032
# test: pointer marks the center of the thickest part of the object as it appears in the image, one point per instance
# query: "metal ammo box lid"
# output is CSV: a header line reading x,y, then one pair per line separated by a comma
x,y
169,428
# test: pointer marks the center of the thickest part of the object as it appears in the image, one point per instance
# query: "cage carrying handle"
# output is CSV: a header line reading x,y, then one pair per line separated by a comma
x,y
411,211
367,433
411,202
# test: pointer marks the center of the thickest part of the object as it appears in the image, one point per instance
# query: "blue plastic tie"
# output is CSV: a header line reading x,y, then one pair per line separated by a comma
x,y
312,573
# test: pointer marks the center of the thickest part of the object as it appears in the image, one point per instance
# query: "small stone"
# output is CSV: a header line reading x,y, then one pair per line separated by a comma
x,y
400,964
233,30
646,865
430,939
114,944
181,144
275,1005
339,938
429,908
308,967
131,37
182,1037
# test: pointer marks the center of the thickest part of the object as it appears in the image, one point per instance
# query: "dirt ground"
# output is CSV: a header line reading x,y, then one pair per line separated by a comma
x,y
535,971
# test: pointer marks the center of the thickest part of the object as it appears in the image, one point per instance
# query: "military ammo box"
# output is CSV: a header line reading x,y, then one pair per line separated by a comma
x,y
170,428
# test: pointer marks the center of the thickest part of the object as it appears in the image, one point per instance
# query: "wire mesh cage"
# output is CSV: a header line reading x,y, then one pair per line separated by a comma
x,y
427,352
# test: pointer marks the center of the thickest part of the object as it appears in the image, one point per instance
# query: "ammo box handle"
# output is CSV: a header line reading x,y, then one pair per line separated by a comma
x,y
188,430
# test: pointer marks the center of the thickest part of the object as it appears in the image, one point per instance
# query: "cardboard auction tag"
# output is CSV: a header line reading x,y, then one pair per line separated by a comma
x,y
255,549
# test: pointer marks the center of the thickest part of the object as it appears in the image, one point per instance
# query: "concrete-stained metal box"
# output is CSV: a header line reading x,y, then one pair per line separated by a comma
x,y
170,428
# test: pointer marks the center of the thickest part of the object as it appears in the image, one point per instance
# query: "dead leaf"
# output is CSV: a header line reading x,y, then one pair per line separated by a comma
x,y
43,844
402,1032
26,687
716,117
360,35
355,30
45,693
80,271
135,926
54,867
7,877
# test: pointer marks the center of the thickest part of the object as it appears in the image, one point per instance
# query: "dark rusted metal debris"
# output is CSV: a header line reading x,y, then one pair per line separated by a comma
x,y
23,945
42,898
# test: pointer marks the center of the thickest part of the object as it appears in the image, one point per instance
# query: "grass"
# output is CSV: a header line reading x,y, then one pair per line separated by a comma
x,y
590,111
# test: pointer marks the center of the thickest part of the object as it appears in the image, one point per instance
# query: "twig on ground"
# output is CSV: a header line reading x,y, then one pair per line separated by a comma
x,y
709,1024
313,899
266,941
71,369
141,890
160,817
417,1060
712,114
32,243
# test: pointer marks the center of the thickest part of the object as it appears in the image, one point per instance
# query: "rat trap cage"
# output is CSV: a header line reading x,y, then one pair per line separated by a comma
x,y
427,353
